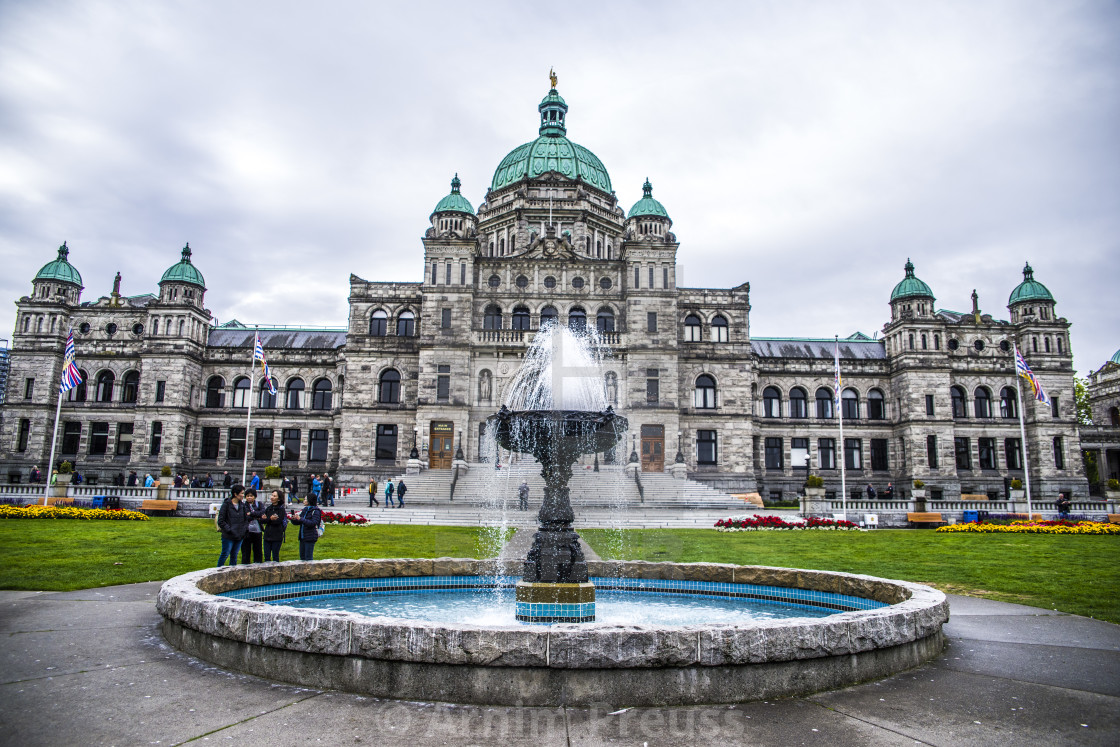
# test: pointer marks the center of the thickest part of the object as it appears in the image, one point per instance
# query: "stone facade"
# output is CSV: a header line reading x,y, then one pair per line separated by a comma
x,y
424,363
1101,441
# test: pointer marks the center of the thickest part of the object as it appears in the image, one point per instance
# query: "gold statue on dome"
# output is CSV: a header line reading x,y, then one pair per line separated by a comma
x,y
552,76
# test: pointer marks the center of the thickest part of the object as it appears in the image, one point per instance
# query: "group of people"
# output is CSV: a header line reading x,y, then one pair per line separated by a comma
x,y
888,494
256,531
400,489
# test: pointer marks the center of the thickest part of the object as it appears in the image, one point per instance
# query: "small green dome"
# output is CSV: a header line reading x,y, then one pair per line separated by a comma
x,y
1030,289
184,271
60,269
454,202
910,286
1115,358
647,205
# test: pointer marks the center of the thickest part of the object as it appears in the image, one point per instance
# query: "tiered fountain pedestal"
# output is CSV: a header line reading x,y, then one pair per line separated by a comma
x,y
555,603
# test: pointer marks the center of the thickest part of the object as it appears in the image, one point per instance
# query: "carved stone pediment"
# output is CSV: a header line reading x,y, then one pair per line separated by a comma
x,y
550,247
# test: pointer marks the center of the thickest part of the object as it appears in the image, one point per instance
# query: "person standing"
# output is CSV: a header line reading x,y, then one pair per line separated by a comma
x,y
523,496
286,488
251,545
1063,505
389,492
35,475
310,484
133,479
888,494
255,482
328,490
870,492
149,481
317,489
309,519
373,492
178,481
209,481
233,524
401,488
227,481
274,522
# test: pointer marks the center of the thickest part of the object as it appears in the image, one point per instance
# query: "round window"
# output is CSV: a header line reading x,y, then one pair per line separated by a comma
x,y
522,281
84,328
494,281
550,282
979,345
1005,346
953,344
577,283
111,328
137,329
605,283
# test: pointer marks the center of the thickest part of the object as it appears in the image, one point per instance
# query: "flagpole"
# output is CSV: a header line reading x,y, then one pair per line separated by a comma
x,y
54,441
249,412
840,420
1023,437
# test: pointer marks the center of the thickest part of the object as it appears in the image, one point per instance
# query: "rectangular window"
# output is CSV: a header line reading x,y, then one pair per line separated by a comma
x,y
853,453
161,390
317,447
262,445
929,405
963,449
290,444
665,277
799,453
235,446
28,388
637,277
1013,451
98,438
1059,453
653,386
124,439
24,434
705,447
1055,410
651,277
651,321
879,454
386,448
210,440
987,449
157,439
435,270
773,453
931,451
462,273
447,274
445,319
71,437
826,453
443,384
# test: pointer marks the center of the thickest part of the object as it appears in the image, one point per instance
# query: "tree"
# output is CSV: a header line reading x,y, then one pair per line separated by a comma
x,y
1081,398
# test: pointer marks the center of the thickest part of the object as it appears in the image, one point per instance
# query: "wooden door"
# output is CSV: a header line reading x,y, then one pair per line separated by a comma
x,y
441,448
653,448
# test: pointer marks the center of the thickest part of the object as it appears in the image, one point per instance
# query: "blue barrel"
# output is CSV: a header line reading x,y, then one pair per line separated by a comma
x,y
98,501
971,517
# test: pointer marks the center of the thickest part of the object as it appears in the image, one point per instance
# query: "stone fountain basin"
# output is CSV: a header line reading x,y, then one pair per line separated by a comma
x,y
571,664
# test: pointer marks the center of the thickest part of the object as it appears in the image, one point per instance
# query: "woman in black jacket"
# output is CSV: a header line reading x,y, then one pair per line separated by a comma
x,y
274,521
308,520
233,521
251,545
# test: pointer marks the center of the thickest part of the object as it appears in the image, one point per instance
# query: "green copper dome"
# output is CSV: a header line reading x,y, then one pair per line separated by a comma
x,y
647,205
184,271
1115,358
60,269
454,202
1030,289
552,151
910,286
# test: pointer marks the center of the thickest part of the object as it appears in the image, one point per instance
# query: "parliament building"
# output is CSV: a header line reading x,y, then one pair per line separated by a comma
x,y
422,364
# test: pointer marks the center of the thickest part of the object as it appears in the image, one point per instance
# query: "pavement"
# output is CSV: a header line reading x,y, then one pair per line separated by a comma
x,y
90,668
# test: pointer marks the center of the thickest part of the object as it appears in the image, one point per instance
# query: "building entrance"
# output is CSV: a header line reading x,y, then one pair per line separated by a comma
x,y
441,437
653,448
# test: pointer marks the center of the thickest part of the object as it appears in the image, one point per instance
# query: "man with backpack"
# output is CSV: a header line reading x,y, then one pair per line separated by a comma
x,y
373,492
401,488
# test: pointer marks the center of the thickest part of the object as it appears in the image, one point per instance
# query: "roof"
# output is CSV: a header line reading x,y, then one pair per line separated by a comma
x,y
910,286
647,206
60,268
274,339
799,347
454,202
183,271
1030,289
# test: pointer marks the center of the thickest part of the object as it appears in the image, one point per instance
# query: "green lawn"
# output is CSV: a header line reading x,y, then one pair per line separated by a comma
x,y
1076,574
63,555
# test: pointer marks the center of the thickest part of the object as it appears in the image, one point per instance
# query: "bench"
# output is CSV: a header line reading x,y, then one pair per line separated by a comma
x,y
59,501
919,517
154,505
973,497
1114,518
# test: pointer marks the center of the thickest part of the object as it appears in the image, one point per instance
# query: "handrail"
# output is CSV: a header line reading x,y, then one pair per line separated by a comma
x,y
454,479
638,481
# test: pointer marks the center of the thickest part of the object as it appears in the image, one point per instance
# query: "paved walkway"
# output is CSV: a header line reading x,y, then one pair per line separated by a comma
x,y
90,667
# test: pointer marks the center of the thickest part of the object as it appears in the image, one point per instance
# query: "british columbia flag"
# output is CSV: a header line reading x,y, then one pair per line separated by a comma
x,y
258,355
71,376
1025,371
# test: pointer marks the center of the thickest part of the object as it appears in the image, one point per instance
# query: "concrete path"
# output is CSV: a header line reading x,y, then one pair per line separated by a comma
x,y
90,668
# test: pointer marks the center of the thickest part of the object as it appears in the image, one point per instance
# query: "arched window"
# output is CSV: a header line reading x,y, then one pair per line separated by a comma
x,y
925,342
215,392
131,387
719,329
549,316
911,340
1114,415
876,405
267,399
937,342
492,317
379,323
705,395
502,247
104,392
521,318
294,398
983,402
1046,343
604,320
577,319
692,328
78,393
389,387
155,326
321,395
850,402
406,324
960,407
798,403
771,403
1008,403
241,391
824,404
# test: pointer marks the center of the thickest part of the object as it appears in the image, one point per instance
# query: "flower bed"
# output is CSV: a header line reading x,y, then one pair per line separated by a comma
x,y
331,517
765,523
1057,526
70,512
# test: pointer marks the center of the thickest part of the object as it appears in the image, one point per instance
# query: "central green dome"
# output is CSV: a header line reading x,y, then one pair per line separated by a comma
x,y
184,271
60,268
1030,289
552,151
910,286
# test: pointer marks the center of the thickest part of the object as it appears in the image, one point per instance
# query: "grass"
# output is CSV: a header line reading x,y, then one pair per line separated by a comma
x,y
44,555
1075,574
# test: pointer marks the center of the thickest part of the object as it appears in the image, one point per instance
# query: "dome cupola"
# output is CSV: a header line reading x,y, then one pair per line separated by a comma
x,y
454,202
453,212
182,282
1030,289
911,297
60,269
647,206
648,218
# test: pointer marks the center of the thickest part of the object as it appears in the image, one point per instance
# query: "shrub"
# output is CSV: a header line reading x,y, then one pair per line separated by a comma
x,y
1016,484
65,468
165,471
814,481
69,512
918,485
1114,484
272,472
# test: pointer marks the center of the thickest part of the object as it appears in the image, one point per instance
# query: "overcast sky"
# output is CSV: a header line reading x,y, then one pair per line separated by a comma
x,y
806,147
